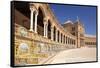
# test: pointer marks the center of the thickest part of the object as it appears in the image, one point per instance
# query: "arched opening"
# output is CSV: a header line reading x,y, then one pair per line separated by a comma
x,y
49,29
61,37
72,41
54,33
33,21
58,36
68,40
40,25
64,38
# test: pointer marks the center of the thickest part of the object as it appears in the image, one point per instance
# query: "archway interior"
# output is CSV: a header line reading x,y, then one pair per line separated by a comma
x,y
64,38
61,37
54,34
58,36
49,29
40,25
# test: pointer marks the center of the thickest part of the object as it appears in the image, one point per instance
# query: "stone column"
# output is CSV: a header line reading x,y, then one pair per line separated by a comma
x,y
52,32
59,37
36,14
31,18
47,30
65,39
45,27
56,35
62,38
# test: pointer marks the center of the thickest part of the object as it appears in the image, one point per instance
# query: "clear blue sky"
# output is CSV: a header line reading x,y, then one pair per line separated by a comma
x,y
86,14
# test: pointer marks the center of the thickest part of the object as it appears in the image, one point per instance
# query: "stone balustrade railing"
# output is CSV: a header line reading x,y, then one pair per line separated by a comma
x,y
21,31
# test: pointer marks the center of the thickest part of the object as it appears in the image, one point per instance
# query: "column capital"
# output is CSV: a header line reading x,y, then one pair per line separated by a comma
x,y
56,30
45,19
36,12
52,26
32,7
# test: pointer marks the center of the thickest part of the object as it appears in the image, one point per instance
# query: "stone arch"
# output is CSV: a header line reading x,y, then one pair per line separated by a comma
x,y
42,9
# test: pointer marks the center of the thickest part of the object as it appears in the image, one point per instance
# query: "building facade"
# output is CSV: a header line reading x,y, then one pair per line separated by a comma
x,y
39,36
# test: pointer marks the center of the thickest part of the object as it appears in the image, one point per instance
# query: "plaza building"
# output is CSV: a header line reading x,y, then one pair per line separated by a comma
x,y
39,35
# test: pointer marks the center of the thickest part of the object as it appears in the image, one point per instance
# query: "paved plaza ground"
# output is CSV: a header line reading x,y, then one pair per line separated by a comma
x,y
74,55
